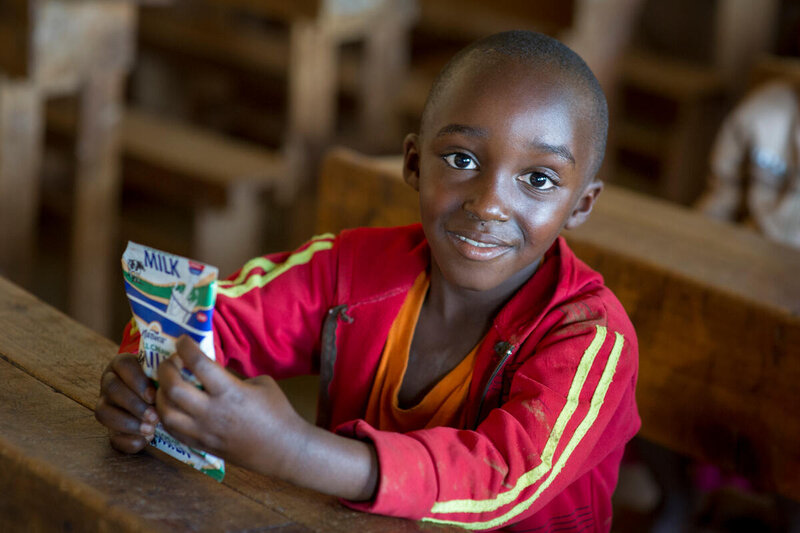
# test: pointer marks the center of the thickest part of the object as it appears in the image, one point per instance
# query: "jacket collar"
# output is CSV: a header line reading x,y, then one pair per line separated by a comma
x,y
559,275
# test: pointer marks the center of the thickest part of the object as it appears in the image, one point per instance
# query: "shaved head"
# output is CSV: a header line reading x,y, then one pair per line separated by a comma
x,y
537,52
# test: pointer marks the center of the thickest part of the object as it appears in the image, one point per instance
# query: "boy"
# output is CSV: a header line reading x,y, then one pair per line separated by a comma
x,y
474,371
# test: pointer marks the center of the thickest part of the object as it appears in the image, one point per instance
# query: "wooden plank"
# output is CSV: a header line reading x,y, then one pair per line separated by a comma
x,y
472,19
21,139
15,26
671,78
716,309
276,8
220,178
358,191
384,68
97,200
58,472
72,39
206,156
69,358
245,46
179,160
313,56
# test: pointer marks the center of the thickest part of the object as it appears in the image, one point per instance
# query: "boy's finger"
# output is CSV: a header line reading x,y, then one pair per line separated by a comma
x,y
120,421
127,367
119,394
178,423
126,443
177,392
214,378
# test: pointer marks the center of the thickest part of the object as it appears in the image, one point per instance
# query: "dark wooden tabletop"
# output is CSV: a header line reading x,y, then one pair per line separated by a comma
x,y
58,471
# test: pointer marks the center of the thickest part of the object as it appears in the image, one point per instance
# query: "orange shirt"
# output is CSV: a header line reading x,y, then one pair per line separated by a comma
x,y
442,405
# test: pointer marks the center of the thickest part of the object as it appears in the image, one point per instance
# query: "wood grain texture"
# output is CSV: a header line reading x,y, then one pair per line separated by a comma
x,y
58,472
65,359
716,310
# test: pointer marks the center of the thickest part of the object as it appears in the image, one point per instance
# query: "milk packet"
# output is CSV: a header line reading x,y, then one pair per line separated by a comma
x,y
171,296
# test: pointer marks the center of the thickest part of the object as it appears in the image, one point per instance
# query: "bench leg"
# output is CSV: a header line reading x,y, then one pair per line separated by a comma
x,y
97,200
312,102
21,145
384,66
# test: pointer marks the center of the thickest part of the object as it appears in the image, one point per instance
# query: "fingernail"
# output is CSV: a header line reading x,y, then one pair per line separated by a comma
x,y
146,428
150,395
150,415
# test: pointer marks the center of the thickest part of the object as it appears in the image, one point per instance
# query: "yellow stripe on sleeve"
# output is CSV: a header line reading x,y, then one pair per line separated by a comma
x,y
533,476
244,282
598,397
134,327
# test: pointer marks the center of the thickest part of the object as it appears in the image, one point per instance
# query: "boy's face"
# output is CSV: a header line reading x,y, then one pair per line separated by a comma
x,y
501,166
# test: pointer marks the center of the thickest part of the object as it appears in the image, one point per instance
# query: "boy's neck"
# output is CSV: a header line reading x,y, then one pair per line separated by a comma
x,y
456,305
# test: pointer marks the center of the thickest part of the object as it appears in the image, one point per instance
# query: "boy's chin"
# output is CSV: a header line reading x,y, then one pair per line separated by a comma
x,y
478,281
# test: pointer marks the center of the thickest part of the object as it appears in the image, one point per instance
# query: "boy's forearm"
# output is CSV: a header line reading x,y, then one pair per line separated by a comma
x,y
330,463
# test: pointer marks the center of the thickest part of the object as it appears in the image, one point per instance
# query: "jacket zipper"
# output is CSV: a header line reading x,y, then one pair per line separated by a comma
x,y
327,359
504,349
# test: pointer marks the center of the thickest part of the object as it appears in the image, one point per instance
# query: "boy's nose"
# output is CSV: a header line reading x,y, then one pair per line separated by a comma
x,y
485,201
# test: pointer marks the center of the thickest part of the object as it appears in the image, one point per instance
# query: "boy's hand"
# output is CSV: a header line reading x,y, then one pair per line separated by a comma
x,y
125,405
250,423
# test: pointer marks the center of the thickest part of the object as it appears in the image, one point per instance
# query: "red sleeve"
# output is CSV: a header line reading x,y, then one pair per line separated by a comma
x,y
571,407
268,316
130,338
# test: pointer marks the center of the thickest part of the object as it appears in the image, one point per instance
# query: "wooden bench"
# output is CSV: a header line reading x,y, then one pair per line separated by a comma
x,y
302,43
716,310
58,471
218,179
50,48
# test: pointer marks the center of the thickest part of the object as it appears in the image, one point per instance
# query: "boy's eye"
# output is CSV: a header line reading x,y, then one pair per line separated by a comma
x,y
538,180
461,161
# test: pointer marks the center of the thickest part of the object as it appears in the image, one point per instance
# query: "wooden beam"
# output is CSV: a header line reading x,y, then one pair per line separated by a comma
x,y
72,39
472,19
15,25
21,139
279,9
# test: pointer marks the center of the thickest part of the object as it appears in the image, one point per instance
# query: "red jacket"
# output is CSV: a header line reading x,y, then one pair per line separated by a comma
x,y
550,408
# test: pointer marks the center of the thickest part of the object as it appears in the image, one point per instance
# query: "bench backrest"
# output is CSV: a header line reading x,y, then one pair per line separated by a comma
x,y
716,309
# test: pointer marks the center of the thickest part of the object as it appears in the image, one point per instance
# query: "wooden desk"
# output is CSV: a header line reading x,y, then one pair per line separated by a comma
x,y
58,471
716,310
309,55
52,48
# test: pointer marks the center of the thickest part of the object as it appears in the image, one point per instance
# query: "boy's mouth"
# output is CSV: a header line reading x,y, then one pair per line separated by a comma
x,y
475,243
478,246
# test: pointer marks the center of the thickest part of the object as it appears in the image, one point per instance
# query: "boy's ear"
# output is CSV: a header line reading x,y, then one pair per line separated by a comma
x,y
411,160
585,204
